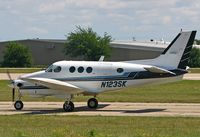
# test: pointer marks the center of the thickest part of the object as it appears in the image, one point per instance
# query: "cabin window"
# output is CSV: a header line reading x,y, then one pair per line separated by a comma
x,y
57,69
72,69
80,69
120,70
89,69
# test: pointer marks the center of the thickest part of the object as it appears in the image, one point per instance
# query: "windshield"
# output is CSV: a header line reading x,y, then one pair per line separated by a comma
x,y
53,68
49,69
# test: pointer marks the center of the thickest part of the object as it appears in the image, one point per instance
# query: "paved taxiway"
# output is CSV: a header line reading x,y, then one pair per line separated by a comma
x,y
189,76
105,109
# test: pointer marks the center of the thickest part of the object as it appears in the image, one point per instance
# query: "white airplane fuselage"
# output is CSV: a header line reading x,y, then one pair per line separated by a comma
x,y
104,76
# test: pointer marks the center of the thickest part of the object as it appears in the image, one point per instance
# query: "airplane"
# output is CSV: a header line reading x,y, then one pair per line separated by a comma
x,y
64,79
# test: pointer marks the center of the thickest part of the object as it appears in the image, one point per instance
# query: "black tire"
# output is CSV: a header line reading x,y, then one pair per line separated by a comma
x,y
68,107
18,105
92,103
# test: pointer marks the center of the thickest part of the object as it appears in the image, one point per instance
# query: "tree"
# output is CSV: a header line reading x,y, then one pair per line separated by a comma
x,y
197,41
16,55
194,60
87,44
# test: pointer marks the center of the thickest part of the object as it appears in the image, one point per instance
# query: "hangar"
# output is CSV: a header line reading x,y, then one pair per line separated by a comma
x,y
47,51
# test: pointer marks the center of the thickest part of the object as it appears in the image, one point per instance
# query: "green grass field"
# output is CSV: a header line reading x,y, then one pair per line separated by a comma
x,y
97,126
100,126
19,70
185,91
194,70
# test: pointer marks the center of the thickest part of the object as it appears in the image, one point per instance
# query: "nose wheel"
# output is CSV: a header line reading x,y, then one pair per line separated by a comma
x,y
18,105
92,103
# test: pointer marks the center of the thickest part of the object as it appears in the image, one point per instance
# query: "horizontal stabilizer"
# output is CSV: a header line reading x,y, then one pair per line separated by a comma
x,y
155,69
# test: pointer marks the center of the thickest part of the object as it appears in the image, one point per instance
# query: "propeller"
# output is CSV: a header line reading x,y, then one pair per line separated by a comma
x,y
13,85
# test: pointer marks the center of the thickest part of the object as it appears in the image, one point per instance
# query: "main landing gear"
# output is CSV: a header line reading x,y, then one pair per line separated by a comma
x,y
92,103
68,106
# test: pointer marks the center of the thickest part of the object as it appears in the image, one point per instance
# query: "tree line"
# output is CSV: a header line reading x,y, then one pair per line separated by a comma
x,y
83,42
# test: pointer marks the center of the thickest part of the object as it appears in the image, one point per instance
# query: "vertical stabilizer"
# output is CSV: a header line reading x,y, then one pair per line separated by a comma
x,y
176,55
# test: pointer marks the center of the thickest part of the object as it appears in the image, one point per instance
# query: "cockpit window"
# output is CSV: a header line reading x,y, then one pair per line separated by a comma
x,y
57,69
49,69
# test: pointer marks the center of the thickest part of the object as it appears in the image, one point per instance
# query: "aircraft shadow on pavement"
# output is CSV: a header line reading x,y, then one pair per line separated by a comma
x,y
60,110
85,108
144,110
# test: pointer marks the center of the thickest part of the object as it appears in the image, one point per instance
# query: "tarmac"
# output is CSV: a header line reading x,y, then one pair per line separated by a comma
x,y
106,109
189,76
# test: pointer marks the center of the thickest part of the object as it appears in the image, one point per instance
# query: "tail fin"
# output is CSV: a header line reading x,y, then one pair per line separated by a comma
x,y
186,54
176,55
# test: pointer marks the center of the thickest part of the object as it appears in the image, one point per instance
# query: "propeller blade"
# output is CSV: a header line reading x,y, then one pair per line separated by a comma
x,y
13,94
13,83
9,76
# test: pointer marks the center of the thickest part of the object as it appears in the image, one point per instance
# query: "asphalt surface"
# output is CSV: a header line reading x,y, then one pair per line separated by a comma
x,y
4,76
106,109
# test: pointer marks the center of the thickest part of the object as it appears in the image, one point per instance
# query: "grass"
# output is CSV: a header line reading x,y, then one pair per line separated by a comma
x,y
194,70
19,70
185,91
100,126
97,126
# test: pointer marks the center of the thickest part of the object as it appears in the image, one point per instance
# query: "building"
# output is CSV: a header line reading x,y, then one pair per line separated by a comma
x,y
47,51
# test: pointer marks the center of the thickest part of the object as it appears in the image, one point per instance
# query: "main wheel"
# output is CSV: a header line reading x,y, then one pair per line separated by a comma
x,y
68,107
92,103
18,105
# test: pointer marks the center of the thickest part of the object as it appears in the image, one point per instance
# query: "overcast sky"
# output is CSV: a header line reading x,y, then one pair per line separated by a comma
x,y
122,19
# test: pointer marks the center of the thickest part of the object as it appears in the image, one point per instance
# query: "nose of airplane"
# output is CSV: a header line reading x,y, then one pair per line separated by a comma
x,y
32,75
16,83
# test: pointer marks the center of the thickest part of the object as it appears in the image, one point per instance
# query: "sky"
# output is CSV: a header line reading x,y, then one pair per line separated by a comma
x,y
122,19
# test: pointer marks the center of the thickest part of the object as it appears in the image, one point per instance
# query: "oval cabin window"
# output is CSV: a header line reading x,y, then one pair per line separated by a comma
x,y
120,70
72,69
89,69
80,69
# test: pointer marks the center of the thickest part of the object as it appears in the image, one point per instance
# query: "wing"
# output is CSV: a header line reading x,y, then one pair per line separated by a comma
x,y
54,84
155,69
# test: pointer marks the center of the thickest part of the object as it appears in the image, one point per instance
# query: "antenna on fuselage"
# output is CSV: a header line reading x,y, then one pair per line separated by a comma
x,y
101,58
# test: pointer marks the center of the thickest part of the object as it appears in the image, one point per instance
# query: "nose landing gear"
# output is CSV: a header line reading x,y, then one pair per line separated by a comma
x,y
18,105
